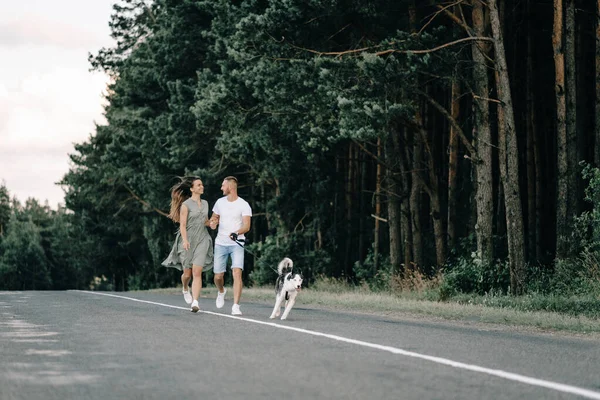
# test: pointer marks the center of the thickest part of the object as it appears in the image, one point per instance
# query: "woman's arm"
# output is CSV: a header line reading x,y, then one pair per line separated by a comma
x,y
213,221
183,214
207,222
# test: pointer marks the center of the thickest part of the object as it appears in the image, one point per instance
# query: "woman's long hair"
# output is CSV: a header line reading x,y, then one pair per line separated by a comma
x,y
180,192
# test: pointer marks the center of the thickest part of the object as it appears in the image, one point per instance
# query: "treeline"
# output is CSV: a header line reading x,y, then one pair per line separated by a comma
x,y
373,139
41,248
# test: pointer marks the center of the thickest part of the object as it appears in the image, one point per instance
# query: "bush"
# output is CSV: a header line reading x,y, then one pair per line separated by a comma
x,y
581,275
474,276
365,272
272,250
584,305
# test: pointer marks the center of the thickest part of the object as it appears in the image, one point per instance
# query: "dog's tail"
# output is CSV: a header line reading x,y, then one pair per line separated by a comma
x,y
285,266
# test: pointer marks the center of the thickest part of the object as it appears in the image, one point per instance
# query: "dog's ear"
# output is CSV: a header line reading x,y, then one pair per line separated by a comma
x,y
289,277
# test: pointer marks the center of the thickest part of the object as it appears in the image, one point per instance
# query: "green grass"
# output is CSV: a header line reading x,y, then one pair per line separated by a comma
x,y
533,312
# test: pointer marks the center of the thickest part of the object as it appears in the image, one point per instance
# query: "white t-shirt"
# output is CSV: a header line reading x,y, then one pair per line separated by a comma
x,y
230,213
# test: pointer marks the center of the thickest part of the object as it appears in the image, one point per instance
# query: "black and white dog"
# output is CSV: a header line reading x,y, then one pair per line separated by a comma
x,y
287,287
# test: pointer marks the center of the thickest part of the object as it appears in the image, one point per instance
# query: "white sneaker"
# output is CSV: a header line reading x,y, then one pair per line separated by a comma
x,y
187,297
221,298
195,307
235,310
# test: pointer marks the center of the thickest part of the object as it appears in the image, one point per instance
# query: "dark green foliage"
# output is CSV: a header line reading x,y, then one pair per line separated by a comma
x,y
587,305
4,209
474,276
292,97
220,87
23,265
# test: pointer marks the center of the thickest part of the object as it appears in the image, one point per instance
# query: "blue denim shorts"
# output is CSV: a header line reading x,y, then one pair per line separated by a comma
x,y
222,252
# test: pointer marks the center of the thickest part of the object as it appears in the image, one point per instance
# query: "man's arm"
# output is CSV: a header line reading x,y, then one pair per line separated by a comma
x,y
245,225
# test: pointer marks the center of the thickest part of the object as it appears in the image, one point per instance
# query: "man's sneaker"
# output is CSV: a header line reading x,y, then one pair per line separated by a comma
x,y
195,306
235,310
187,297
221,298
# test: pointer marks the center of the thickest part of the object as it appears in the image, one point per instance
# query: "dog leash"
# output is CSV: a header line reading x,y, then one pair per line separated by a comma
x,y
241,242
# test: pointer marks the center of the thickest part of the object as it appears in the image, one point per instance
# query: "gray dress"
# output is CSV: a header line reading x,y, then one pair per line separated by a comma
x,y
201,244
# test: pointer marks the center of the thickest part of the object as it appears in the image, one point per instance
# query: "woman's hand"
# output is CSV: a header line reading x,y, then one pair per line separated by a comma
x,y
186,245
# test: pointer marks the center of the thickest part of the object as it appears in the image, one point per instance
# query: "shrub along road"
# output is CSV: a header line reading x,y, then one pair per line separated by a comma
x,y
71,345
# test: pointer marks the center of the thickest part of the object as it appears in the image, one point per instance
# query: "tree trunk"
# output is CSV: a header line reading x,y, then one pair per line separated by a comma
x,y
562,227
350,190
435,204
392,150
533,171
453,164
405,206
571,116
416,181
509,155
415,204
362,185
438,222
482,136
377,210
597,144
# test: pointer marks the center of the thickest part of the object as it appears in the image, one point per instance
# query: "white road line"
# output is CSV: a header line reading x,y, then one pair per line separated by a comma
x,y
394,350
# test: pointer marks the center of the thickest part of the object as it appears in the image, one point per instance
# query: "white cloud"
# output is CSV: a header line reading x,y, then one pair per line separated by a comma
x,y
37,30
33,174
40,120
50,108
48,97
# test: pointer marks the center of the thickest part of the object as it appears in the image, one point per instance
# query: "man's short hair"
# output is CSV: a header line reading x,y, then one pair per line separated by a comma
x,y
232,181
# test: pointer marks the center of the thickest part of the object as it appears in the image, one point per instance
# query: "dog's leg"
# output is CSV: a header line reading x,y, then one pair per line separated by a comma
x,y
289,305
277,308
281,299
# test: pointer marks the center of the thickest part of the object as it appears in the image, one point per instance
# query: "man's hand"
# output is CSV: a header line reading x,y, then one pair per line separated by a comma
x,y
233,236
213,223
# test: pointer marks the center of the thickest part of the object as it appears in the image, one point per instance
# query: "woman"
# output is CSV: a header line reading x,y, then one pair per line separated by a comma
x,y
193,249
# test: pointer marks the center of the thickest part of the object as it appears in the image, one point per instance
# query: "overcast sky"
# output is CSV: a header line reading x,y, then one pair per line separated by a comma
x,y
48,97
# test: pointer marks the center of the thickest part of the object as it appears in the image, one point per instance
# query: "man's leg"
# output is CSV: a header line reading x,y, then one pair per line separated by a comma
x,y
220,265
237,266
237,285
220,281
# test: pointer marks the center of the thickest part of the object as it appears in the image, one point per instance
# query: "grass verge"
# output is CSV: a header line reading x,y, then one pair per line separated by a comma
x,y
502,311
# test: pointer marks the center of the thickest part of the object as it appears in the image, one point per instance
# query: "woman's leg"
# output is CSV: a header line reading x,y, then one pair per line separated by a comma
x,y
197,282
185,278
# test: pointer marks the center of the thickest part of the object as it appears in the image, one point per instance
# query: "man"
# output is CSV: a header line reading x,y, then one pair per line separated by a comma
x,y
232,214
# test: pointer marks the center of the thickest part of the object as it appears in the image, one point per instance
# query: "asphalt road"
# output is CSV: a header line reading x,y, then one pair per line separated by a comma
x,y
84,345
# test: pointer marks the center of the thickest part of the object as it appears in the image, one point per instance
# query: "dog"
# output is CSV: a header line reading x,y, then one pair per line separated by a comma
x,y
287,287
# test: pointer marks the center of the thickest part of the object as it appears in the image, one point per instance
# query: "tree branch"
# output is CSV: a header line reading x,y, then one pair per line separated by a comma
x,y
468,39
457,21
441,10
145,203
461,133
390,51
374,156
